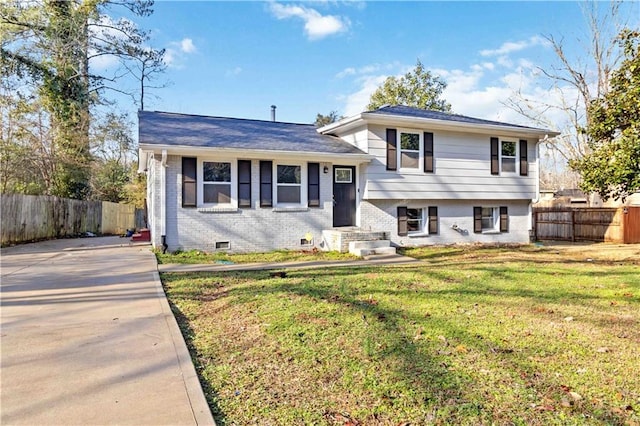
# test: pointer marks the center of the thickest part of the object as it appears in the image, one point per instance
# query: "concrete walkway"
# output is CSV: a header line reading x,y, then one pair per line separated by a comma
x,y
88,339
389,260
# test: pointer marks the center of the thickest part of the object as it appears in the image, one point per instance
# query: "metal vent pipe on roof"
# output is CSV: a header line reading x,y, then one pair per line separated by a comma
x,y
273,113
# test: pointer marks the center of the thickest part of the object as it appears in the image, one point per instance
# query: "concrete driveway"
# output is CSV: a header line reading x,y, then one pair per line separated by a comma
x,y
88,338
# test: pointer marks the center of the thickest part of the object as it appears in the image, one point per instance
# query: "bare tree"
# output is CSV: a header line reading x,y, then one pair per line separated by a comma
x,y
573,81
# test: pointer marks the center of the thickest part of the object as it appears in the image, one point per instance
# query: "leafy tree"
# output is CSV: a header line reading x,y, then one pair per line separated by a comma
x,y
573,80
612,168
323,120
417,88
50,44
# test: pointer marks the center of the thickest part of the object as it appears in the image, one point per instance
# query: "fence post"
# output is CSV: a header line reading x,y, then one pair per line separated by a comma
x,y
573,226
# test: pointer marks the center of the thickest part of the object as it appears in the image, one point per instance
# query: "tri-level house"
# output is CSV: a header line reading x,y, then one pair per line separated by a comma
x,y
397,175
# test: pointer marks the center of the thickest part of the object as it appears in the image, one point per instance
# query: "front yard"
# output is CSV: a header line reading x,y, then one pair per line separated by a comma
x,y
470,336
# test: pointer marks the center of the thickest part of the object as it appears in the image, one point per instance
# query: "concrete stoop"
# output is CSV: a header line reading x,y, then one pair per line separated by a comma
x,y
370,248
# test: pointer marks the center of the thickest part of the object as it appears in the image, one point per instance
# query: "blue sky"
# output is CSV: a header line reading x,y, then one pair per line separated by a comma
x,y
237,58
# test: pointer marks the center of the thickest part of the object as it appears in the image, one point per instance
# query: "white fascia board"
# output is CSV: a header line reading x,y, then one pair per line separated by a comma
x,y
257,154
493,129
344,124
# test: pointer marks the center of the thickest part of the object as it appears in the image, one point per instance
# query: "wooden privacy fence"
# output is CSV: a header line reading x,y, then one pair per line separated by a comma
x,y
30,217
616,225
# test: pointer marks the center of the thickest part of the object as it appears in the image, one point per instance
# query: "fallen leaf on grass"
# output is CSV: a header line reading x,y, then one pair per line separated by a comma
x,y
543,408
575,395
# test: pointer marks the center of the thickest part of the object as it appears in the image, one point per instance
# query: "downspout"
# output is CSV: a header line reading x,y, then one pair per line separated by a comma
x,y
535,200
163,204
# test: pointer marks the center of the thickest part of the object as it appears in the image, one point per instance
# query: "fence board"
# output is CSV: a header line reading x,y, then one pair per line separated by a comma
x,y
585,224
30,218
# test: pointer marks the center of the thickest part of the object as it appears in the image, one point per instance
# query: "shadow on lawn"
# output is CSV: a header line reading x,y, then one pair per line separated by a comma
x,y
188,335
417,362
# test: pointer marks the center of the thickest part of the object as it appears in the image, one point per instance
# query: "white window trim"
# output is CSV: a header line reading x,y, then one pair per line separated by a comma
x,y
420,168
516,157
303,184
496,220
424,232
234,182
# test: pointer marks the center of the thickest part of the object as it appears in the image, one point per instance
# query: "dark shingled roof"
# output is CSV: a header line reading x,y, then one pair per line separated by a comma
x,y
164,128
406,111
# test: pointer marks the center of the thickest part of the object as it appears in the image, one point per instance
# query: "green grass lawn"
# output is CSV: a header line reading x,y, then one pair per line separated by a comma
x,y
201,257
469,336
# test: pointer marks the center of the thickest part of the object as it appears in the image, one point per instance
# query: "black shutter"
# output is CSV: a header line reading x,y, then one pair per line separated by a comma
x,y
402,221
524,161
266,186
392,159
433,220
313,180
428,152
244,183
477,219
495,165
504,219
189,184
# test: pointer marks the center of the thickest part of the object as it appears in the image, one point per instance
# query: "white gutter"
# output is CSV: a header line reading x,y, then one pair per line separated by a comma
x,y
256,153
535,200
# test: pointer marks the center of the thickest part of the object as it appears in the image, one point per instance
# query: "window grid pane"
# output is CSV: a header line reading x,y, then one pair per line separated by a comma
x,y
289,194
410,141
216,172
289,174
414,220
217,193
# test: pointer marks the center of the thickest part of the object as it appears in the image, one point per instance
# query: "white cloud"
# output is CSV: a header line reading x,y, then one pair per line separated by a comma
x,y
176,53
187,46
346,72
316,25
357,102
233,72
515,46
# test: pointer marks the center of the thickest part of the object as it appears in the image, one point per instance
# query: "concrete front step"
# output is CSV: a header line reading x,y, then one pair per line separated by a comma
x,y
369,248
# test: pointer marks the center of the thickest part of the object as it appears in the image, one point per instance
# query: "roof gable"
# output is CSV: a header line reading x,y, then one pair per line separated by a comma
x,y
405,111
184,130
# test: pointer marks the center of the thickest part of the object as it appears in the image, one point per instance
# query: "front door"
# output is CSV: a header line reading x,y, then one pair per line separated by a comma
x,y
344,196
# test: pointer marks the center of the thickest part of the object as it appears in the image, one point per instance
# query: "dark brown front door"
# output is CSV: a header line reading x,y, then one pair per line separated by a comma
x,y
344,196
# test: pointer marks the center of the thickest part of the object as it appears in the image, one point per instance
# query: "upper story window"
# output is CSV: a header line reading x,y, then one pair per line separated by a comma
x,y
409,150
508,155
288,184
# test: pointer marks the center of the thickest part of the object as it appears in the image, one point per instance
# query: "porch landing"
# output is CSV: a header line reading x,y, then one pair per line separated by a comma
x,y
357,241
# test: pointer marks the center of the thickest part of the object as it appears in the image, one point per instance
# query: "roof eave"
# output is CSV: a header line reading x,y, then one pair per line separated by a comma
x,y
253,153
457,125
343,124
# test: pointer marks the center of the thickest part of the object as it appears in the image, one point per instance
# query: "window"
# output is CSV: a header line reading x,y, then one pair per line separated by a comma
x,y
489,219
409,150
508,156
415,221
289,184
216,180
343,175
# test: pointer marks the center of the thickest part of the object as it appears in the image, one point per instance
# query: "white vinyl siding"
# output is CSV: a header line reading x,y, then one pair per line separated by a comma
x,y
463,172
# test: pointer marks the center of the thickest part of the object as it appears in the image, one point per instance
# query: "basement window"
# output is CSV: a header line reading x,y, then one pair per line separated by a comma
x,y
223,245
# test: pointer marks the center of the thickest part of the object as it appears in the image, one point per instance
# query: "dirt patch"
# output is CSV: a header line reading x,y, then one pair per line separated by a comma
x,y
595,251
